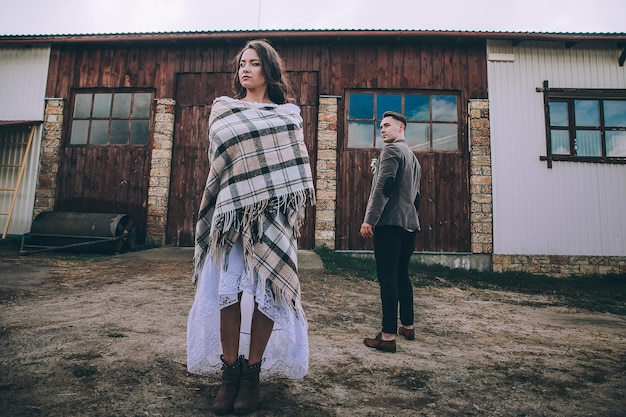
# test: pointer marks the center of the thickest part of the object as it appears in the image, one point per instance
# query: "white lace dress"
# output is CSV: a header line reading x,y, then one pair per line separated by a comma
x,y
287,352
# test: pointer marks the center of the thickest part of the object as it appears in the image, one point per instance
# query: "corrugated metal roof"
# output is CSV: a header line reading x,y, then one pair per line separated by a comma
x,y
318,33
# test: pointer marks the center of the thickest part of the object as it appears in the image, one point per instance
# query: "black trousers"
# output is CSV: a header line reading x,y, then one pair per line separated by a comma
x,y
393,247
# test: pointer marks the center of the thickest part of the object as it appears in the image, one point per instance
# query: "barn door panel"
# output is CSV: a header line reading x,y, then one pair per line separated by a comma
x,y
444,211
190,163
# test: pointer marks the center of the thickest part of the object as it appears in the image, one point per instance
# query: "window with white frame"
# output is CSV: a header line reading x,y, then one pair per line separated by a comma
x,y
110,118
432,119
585,125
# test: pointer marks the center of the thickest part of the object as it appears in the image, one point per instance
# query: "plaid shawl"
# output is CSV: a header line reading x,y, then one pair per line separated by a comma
x,y
258,185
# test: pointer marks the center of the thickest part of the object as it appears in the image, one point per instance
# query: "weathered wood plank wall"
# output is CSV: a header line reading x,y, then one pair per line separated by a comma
x,y
319,66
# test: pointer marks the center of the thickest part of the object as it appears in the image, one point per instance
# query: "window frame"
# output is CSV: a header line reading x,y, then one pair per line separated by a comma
x,y
569,96
403,94
110,118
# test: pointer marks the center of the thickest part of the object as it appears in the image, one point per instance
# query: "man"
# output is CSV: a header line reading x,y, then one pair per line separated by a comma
x,y
392,220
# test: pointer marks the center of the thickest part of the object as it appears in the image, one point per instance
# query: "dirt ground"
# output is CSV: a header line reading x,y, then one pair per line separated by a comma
x,y
105,336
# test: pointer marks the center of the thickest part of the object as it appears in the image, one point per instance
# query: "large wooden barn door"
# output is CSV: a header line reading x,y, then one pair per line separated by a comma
x,y
194,94
444,212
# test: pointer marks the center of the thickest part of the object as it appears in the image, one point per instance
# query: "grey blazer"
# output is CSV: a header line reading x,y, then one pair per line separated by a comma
x,y
395,195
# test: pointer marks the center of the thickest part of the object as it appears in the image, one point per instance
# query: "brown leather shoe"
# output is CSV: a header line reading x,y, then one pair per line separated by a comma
x,y
380,344
409,334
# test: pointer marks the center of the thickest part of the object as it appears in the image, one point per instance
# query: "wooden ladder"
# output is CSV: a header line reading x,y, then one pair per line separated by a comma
x,y
20,175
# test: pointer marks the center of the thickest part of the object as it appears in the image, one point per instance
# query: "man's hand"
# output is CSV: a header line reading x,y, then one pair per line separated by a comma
x,y
367,230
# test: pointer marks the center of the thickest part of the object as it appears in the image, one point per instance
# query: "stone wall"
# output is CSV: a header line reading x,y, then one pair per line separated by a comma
x,y
49,156
326,183
481,202
559,265
160,169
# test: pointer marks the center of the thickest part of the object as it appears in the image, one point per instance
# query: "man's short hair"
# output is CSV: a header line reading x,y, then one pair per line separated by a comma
x,y
395,115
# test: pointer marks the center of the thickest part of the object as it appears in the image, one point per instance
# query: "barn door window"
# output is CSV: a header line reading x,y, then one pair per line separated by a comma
x,y
585,125
432,119
110,118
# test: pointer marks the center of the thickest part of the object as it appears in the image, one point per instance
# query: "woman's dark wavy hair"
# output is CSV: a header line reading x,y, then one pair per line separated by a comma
x,y
278,87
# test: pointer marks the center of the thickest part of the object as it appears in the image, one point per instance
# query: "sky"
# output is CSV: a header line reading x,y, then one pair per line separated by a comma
x,y
63,17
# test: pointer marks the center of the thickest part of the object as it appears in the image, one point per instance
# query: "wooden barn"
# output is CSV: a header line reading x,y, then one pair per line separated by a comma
x,y
125,127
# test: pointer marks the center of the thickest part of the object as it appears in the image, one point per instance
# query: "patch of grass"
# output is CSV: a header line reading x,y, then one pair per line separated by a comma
x,y
606,293
347,265
116,335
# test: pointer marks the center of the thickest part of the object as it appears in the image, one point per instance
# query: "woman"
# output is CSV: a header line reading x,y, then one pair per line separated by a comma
x,y
258,185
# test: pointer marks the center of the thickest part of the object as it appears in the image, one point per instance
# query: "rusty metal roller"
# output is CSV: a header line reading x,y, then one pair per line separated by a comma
x,y
80,232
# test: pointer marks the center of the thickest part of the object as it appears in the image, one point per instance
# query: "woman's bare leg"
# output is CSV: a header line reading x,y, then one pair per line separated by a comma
x,y
260,333
230,328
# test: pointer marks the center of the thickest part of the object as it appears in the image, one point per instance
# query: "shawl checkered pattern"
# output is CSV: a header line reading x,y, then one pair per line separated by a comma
x,y
258,185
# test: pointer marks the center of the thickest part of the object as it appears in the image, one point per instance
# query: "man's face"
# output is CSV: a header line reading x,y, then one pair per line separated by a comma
x,y
391,129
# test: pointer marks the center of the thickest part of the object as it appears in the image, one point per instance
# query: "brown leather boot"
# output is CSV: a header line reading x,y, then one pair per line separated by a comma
x,y
225,398
248,396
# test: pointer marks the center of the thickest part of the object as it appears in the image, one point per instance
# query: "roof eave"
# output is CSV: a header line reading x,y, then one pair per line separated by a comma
x,y
320,34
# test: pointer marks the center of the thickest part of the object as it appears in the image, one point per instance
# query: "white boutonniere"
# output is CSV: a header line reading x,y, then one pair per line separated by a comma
x,y
374,164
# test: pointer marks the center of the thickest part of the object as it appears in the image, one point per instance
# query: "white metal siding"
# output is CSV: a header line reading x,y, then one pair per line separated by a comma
x,y
23,76
574,208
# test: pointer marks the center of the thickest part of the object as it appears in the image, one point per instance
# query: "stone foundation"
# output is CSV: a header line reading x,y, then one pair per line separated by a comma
x,y
559,265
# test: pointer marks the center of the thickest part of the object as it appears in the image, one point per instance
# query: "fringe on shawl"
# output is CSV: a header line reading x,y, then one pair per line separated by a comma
x,y
227,227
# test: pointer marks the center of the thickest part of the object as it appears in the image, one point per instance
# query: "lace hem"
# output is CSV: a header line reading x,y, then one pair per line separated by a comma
x,y
287,352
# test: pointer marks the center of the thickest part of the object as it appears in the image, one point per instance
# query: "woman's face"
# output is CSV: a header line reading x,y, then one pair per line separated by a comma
x,y
250,71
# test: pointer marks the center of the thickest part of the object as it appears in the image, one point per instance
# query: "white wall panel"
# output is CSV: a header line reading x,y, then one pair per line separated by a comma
x,y
23,77
574,208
